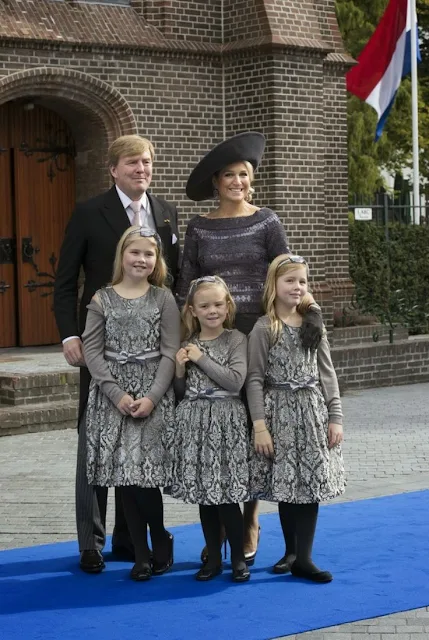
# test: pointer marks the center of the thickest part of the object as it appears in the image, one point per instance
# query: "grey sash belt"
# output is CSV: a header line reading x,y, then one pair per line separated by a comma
x,y
293,385
213,393
123,356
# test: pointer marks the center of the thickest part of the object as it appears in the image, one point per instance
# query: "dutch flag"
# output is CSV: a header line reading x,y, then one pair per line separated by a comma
x,y
384,61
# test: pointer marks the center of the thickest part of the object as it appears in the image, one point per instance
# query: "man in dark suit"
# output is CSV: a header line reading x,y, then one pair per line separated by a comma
x,y
90,242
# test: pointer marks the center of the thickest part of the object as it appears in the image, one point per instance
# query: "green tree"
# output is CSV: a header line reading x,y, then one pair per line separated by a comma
x,y
357,20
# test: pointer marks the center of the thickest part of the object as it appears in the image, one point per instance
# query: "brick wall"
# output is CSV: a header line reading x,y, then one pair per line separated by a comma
x,y
381,365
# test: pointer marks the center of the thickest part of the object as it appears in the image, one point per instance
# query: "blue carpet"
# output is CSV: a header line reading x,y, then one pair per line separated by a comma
x,y
377,550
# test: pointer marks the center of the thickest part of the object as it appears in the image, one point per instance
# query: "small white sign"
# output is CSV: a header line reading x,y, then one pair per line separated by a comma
x,y
363,213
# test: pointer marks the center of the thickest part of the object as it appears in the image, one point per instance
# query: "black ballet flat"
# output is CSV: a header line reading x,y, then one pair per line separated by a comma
x,y
158,568
141,572
284,564
208,573
321,577
241,574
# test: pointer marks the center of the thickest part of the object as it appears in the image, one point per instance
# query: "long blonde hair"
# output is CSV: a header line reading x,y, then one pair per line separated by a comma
x,y
190,324
279,266
160,272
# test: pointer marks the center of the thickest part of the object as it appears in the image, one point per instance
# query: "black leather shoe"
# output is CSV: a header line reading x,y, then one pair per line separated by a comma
x,y
123,553
284,564
141,572
91,561
208,573
315,575
241,574
158,568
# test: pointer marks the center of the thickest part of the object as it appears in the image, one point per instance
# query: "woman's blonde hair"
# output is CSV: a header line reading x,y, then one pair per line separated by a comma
x,y
279,266
160,272
128,146
250,171
190,324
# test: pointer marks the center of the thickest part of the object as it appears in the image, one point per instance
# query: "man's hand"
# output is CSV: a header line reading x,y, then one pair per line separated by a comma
x,y
73,352
312,329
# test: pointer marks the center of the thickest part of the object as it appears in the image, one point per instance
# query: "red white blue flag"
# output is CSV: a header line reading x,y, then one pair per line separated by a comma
x,y
384,61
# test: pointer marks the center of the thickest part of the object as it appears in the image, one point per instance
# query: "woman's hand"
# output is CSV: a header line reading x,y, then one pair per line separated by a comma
x,y
335,434
142,408
181,360
124,405
262,439
193,353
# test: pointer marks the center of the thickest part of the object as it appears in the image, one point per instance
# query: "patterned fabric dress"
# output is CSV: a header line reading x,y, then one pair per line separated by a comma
x,y
122,450
211,448
303,470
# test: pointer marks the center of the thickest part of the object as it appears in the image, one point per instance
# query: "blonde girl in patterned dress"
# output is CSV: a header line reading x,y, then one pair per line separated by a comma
x,y
295,407
212,445
131,338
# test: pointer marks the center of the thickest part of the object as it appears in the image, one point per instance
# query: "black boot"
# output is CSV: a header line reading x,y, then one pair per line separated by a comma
x,y
305,526
287,521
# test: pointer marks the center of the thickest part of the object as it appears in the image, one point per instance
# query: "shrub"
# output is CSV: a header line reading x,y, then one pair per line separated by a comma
x,y
391,275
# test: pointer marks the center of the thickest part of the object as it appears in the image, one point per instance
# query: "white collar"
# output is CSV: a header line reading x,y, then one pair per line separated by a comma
x,y
144,200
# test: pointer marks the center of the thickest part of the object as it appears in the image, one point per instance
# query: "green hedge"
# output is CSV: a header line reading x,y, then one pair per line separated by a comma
x,y
391,277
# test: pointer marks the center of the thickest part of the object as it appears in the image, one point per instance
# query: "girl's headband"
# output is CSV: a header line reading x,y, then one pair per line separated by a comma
x,y
196,283
145,232
291,260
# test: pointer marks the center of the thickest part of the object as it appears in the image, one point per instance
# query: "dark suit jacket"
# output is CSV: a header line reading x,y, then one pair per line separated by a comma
x,y
90,241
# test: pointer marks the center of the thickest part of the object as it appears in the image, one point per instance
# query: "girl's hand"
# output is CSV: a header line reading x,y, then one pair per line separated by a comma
x,y
124,405
263,441
335,434
193,353
142,408
181,360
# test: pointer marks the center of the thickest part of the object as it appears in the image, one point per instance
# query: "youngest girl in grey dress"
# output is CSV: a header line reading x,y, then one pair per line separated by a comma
x,y
211,447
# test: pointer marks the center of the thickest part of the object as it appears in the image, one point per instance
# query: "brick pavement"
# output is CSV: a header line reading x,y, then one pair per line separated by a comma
x,y
386,452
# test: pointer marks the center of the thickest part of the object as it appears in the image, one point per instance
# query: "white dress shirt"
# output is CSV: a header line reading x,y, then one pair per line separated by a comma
x,y
146,218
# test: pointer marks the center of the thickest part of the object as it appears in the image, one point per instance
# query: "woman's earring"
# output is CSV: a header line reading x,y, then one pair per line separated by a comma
x,y
215,193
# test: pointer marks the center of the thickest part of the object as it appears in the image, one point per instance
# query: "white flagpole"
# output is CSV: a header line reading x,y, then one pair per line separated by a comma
x,y
415,113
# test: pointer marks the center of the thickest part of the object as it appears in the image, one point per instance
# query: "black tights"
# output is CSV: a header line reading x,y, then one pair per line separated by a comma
x,y
144,507
231,517
299,527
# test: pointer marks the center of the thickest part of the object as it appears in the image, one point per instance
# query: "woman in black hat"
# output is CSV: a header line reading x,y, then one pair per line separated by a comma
x,y
237,241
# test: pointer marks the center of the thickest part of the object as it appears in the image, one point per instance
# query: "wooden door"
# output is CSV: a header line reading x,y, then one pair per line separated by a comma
x,y
43,194
8,332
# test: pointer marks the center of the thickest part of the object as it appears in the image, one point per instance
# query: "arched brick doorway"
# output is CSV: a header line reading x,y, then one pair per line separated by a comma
x,y
55,127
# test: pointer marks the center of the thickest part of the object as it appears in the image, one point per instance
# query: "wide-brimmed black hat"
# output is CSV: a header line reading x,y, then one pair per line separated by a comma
x,y
244,146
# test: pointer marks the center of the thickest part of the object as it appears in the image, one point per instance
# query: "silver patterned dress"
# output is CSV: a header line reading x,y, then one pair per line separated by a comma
x,y
303,469
122,450
211,448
